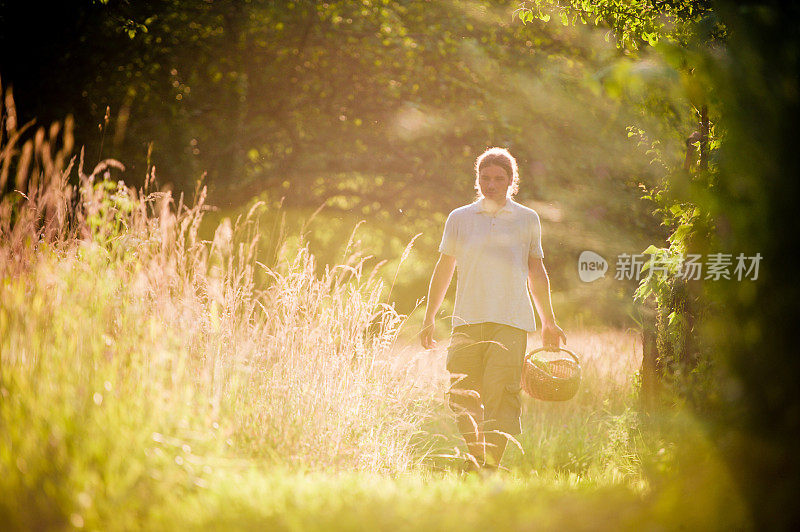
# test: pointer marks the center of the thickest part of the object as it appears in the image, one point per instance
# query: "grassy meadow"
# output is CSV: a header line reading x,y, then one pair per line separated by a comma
x,y
154,379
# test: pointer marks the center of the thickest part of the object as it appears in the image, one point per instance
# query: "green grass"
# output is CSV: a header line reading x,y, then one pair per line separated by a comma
x,y
114,418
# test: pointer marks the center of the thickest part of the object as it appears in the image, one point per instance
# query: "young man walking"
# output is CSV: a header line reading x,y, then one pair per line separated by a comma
x,y
495,243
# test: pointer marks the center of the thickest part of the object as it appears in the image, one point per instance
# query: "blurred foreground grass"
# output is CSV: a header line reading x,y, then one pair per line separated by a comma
x,y
151,379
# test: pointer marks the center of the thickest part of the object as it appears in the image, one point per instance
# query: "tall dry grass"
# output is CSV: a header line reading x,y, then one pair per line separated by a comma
x,y
132,351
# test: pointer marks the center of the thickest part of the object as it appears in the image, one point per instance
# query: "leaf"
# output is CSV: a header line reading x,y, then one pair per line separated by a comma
x,y
681,232
564,18
652,250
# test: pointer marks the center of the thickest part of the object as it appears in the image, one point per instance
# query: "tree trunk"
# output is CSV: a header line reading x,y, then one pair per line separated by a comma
x,y
704,137
649,371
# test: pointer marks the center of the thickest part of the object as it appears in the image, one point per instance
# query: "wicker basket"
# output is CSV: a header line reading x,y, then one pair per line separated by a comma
x,y
551,380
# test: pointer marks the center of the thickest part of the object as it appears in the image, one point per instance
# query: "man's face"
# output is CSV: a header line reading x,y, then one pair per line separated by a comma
x,y
494,181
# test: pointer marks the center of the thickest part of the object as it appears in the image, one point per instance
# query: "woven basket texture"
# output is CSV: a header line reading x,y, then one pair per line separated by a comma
x,y
552,380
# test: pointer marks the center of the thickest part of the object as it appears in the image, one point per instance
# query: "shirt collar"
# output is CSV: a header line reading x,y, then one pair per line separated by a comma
x,y
481,206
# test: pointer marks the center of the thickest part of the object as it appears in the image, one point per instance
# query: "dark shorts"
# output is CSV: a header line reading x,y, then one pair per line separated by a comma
x,y
485,365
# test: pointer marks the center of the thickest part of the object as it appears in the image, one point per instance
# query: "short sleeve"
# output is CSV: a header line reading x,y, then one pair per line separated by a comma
x,y
449,243
536,238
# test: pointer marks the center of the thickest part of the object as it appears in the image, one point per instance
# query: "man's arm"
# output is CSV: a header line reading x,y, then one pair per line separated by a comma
x,y
539,285
440,280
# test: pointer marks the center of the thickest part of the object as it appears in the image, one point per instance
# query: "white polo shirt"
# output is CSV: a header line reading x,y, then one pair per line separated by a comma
x,y
491,252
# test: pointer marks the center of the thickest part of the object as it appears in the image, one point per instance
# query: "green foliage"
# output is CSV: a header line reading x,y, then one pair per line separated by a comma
x,y
633,23
662,84
364,105
106,218
78,446
754,208
375,110
668,282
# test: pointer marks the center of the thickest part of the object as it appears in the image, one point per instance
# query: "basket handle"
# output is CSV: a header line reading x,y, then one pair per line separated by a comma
x,y
554,349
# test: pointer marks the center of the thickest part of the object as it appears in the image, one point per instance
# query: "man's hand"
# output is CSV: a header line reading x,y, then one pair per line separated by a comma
x,y
552,334
426,335
440,280
539,285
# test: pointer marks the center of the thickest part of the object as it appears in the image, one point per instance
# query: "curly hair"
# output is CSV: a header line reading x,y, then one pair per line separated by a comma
x,y
498,157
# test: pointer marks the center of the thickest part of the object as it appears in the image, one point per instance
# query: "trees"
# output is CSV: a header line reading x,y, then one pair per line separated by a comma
x,y
738,195
374,108
682,33
286,95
